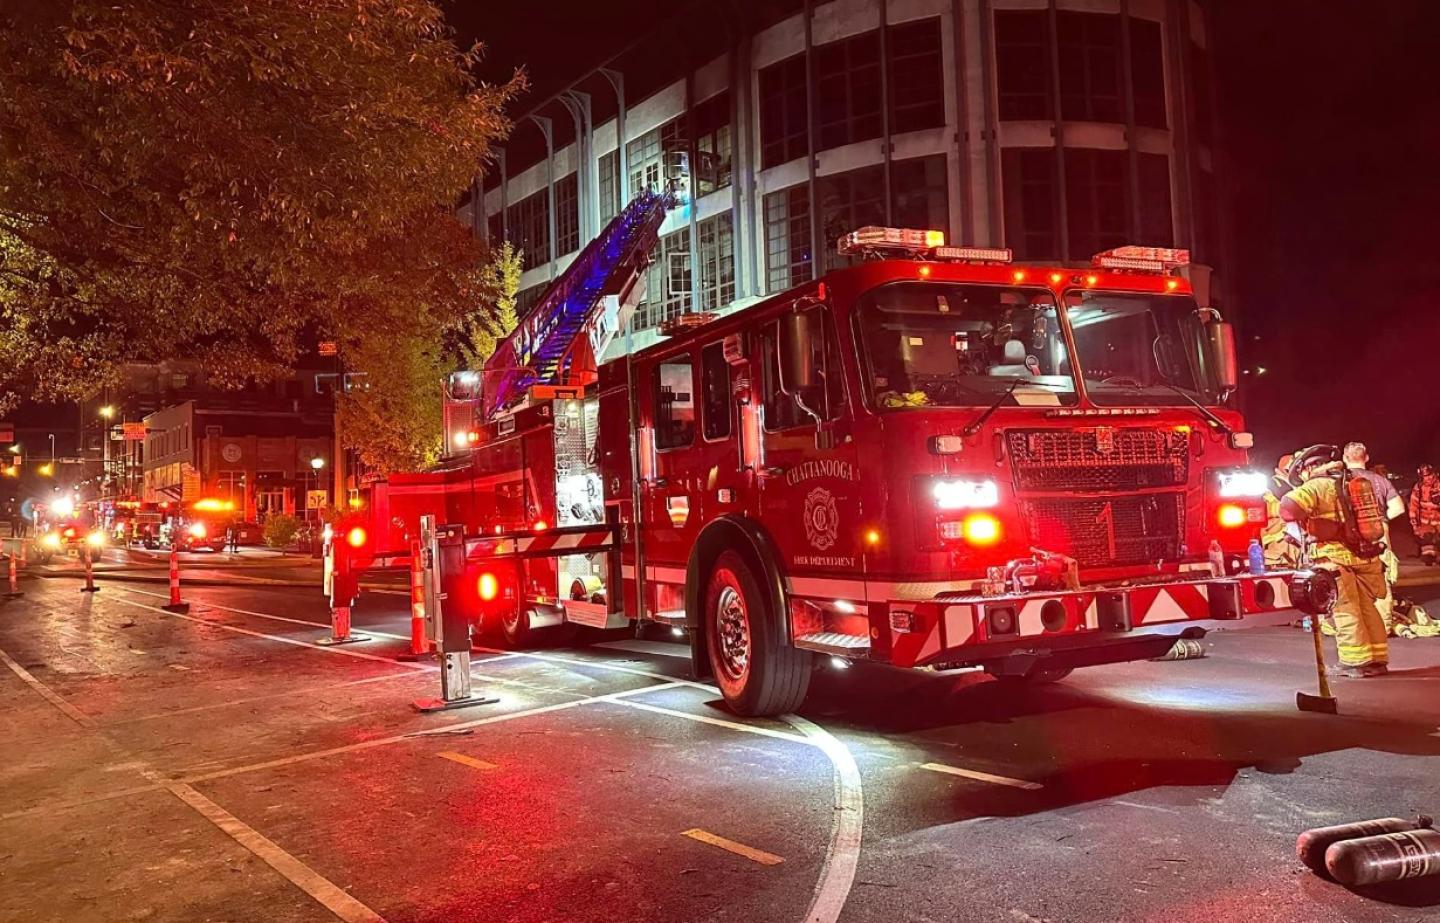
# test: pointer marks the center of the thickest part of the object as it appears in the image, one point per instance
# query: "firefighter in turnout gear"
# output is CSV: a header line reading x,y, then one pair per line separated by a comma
x,y
1425,512
1281,552
1357,459
1346,524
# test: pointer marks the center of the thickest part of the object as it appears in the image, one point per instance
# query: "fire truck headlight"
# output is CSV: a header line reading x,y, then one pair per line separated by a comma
x,y
196,530
965,495
51,540
1230,516
1243,483
95,539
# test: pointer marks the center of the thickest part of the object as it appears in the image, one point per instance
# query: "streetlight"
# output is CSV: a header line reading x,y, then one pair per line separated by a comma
x,y
107,411
317,463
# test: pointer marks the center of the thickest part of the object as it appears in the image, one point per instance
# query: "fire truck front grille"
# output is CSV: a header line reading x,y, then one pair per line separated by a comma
x,y
1108,531
1105,458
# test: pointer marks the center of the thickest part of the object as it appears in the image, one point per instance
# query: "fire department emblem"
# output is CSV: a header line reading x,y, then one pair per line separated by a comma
x,y
1105,439
822,519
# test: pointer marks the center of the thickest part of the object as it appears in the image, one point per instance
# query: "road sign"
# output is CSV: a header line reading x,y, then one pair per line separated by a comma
x,y
328,348
132,432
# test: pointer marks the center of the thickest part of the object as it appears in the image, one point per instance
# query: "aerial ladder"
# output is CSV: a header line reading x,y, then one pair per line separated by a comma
x,y
558,345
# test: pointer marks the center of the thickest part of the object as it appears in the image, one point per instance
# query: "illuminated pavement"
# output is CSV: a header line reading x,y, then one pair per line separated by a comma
x,y
223,767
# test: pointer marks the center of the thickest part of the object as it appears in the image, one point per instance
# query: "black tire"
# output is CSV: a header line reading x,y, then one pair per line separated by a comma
x,y
1039,677
515,628
757,672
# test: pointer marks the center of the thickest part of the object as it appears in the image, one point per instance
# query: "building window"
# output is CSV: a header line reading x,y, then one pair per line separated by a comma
x,y
567,215
1147,73
848,201
783,112
787,238
527,298
920,195
715,391
713,144
674,404
826,398
667,281
847,90
1022,64
1204,102
1157,228
528,222
717,261
917,76
1091,70
1032,196
497,228
645,156
609,186
1097,201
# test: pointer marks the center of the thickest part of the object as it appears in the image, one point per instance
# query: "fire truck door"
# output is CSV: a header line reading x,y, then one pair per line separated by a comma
x,y
810,497
672,492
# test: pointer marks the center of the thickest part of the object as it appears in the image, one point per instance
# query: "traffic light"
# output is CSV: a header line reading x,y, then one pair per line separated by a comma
x,y
47,469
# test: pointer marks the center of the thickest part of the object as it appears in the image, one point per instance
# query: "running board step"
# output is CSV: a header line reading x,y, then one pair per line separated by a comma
x,y
834,642
675,618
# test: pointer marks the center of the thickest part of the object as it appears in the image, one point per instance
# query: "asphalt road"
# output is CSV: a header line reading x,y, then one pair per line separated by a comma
x,y
223,766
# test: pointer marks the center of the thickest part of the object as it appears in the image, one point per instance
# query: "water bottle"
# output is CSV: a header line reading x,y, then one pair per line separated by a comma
x,y
1257,557
1217,559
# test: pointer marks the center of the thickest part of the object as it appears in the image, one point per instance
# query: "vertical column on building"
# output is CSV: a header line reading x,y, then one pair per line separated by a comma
x,y
887,145
739,232
1177,32
504,203
995,217
547,129
816,244
1132,160
1062,200
622,180
959,192
693,152
746,127
577,155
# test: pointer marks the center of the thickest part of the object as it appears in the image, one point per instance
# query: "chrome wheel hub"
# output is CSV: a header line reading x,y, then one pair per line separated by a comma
x,y
733,627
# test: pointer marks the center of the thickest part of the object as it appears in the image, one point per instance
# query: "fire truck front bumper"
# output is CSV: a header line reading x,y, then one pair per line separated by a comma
x,y
1071,628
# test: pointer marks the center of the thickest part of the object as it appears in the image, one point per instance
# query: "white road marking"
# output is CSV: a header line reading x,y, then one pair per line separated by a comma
x,y
719,722
600,665
324,891
979,776
273,618
842,857
426,732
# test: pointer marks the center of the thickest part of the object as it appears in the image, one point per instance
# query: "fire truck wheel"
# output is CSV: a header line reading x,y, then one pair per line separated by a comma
x,y
515,626
758,673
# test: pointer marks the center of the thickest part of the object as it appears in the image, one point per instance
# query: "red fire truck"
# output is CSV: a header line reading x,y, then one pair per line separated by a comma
x,y
933,458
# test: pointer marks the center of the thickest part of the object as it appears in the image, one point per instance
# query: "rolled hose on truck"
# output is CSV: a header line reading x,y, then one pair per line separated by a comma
x,y
1372,851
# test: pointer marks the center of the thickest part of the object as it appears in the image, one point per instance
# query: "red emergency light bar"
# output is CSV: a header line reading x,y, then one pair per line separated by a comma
x,y
911,240
1141,259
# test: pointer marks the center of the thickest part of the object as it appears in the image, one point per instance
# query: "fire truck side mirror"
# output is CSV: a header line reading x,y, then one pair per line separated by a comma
x,y
799,333
1220,338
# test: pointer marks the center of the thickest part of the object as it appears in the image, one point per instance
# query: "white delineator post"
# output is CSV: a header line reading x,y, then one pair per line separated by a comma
x,y
15,573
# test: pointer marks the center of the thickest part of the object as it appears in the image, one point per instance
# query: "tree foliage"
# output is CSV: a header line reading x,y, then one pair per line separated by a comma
x,y
231,182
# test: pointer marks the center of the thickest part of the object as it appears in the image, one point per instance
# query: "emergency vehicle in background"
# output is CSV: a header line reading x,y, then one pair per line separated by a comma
x,y
934,458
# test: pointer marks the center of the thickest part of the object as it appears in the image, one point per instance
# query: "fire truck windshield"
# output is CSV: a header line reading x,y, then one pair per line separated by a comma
x,y
950,345
1137,349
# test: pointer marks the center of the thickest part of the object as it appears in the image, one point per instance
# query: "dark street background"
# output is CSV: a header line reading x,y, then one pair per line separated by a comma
x,y
1331,127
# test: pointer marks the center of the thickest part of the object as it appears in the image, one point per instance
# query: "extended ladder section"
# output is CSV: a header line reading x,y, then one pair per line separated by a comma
x,y
561,340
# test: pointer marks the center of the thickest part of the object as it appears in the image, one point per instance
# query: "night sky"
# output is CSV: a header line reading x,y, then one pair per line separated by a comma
x,y
1331,121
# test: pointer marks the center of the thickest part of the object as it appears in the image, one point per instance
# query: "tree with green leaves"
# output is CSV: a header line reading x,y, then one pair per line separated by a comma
x,y
232,182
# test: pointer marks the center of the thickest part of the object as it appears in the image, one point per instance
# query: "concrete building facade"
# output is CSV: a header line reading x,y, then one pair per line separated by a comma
x,y
1058,128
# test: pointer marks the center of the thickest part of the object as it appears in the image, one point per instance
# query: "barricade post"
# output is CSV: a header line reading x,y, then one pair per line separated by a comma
x,y
344,583
443,558
89,586
176,604
15,572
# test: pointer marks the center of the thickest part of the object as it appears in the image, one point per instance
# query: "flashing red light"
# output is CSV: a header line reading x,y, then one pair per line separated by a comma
x,y
488,587
1018,275
69,533
1230,516
924,272
1172,284
356,537
981,529
1055,278
541,525
1091,280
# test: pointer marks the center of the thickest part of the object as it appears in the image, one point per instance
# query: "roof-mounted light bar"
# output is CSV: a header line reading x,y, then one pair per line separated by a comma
x,y
1142,259
913,241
